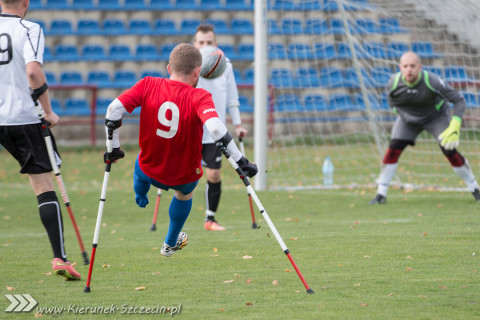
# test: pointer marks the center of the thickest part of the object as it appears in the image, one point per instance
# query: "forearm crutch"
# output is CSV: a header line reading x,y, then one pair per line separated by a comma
x,y
264,213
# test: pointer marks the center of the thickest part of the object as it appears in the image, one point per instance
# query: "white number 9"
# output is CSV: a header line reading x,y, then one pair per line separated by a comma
x,y
171,124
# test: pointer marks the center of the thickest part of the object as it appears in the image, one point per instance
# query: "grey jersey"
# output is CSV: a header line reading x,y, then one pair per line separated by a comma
x,y
423,101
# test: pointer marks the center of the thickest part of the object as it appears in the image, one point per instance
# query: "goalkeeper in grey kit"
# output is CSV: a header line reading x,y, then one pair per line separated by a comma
x,y
420,100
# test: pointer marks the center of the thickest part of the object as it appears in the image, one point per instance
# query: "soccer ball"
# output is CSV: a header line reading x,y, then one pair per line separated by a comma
x,y
214,62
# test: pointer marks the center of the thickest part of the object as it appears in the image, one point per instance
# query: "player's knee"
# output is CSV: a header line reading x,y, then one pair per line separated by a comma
x,y
213,175
395,149
454,157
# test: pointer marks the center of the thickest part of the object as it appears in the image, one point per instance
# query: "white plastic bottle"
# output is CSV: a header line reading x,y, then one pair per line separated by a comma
x,y
327,169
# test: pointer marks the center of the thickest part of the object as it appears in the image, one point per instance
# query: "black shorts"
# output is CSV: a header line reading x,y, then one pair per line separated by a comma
x,y
27,145
211,156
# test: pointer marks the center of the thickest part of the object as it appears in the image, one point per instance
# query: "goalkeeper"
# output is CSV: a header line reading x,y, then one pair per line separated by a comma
x,y
420,100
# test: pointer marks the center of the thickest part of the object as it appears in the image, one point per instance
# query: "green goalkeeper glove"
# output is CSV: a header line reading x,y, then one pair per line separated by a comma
x,y
449,138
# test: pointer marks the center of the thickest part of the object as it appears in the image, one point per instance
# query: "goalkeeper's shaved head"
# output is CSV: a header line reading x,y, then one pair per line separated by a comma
x,y
410,67
184,59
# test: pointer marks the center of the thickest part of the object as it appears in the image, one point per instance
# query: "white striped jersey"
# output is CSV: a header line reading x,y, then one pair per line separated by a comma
x,y
21,42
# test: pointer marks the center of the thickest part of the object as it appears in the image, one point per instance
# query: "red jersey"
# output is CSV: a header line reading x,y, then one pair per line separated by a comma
x,y
171,128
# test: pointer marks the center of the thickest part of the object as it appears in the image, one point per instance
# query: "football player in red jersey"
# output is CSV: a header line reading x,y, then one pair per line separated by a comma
x,y
172,116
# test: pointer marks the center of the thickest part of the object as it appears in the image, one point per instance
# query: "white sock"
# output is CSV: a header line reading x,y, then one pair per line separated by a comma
x,y
387,174
209,214
465,172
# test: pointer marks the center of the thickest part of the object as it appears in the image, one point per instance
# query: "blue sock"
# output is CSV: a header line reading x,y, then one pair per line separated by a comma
x,y
178,212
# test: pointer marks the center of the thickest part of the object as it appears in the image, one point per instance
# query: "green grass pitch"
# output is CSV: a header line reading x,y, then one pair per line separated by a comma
x,y
417,257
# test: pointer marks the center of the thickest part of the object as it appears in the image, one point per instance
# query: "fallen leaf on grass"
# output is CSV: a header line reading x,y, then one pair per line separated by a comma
x,y
249,281
356,222
364,304
275,282
409,258
10,288
246,257
409,269
442,287
140,288
366,256
47,274
5,244
113,231
215,250
249,304
356,285
439,205
214,255
294,238
228,281
156,272
106,266
288,219
390,295
422,296
221,309
288,270
38,315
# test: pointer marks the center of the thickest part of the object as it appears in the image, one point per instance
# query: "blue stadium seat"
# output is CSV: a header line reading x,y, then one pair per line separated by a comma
x,y
249,76
299,51
119,52
100,78
77,107
307,77
47,54
344,52
88,27
374,100
66,52
165,27
161,5
61,27
165,50
315,102
291,26
352,80
57,4
424,49
471,99
51,79
395,49
434,69
384,102
228,50
140,27
238,76
93,52
35,5
342,102
151,73
337,26
457,74
284,5
114,27
124,78
282,78
380,76
83,5
238,5
220,25
109,5
135,5
288,103
309,5
241,26
331,77
186,5
189,26
145,52
211,5
245,105
102,105
276,51
272,27
316,26
375,50
57,107
324,50
391,25
367,26
246,51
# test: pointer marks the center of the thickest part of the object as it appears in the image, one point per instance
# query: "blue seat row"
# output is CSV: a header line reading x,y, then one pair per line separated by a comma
x,y
110,5
324,5
335,102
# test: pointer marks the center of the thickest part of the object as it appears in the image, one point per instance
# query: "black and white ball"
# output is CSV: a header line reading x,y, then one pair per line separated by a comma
x,y
214,62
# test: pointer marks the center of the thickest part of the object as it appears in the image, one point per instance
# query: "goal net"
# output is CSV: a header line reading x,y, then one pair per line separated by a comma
x,y
330,66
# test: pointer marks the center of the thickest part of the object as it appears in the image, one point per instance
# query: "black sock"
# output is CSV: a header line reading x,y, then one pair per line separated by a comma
x,y
51,216
213,191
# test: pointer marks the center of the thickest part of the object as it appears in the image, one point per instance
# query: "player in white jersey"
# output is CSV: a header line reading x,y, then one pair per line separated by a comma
x,y
22,78
225,97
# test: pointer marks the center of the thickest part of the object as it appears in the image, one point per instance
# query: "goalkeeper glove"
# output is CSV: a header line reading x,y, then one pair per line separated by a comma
x,y
449,138
250,169
117,154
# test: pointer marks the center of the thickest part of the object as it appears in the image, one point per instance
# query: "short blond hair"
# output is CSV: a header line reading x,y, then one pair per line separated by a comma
x,y
184,58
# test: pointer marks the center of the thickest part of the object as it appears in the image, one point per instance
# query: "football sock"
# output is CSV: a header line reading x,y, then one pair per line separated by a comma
x,y
386,176
212,198
178,212
51,217
465,172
